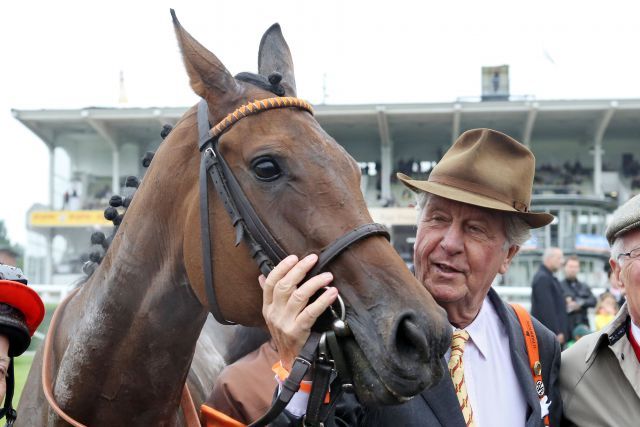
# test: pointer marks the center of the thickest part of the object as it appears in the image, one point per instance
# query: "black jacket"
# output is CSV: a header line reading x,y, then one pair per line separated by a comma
x,y
580,293
438,406
548,303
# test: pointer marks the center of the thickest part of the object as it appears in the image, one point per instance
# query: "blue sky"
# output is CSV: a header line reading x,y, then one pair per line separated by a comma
x,y
68,54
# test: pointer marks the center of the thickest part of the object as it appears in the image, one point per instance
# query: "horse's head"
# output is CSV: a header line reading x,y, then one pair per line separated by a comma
x,y
306,189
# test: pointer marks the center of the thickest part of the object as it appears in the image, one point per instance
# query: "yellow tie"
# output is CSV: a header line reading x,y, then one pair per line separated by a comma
x,y
456,370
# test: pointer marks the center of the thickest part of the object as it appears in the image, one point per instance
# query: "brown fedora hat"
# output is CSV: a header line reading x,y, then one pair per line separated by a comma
x,y
485,168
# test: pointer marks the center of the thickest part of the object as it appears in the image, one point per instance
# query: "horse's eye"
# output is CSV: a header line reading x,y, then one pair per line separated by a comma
x,y
266,169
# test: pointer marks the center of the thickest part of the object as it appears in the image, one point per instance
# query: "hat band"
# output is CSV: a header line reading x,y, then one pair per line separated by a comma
x,y
479,189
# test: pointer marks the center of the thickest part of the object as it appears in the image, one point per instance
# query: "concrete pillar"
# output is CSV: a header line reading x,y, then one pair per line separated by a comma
x,y
597,167
48,258
51,176
597,147
386,169
386,154
115,169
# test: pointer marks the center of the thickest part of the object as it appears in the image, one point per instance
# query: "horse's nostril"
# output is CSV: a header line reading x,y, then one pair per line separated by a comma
x,y
411,340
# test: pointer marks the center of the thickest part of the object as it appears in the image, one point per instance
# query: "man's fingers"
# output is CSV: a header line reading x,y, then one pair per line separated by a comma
x,y
310,314
276,275
300,296
287,284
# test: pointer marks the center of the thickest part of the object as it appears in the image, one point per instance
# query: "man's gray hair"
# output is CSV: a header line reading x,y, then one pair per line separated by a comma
x,y
549,252
516,229
617,248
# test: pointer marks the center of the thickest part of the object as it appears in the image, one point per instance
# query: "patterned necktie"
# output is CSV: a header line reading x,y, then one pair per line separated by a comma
x,y
456,370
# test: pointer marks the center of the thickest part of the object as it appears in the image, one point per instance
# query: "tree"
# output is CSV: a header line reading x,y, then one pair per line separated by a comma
x,y
5,243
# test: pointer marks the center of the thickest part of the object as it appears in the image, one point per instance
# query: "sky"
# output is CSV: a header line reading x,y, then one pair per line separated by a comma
x,y
69,54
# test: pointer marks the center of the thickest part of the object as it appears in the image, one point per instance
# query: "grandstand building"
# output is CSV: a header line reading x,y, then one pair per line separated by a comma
x,y
585,153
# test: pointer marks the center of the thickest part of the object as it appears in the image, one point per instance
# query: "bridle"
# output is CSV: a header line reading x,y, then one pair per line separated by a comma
x,y
321,350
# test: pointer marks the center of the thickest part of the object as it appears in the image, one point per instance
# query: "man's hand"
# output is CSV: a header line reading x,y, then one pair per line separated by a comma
x,y
284,304
560,338
573,305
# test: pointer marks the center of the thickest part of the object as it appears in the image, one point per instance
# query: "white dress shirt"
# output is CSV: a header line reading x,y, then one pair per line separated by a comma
x,y
495,394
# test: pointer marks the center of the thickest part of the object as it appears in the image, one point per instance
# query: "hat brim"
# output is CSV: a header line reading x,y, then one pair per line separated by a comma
x,y
534,219
25,299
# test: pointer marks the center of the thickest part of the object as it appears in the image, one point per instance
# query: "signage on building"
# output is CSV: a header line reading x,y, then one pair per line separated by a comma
x,y
68,219
591,242
530,244
495,83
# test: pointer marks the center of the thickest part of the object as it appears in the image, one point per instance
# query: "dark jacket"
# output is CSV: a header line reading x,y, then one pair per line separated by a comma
x,y
580,293
438,406
548,303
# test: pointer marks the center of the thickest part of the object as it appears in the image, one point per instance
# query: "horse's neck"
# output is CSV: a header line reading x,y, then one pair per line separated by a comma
x,y
131,331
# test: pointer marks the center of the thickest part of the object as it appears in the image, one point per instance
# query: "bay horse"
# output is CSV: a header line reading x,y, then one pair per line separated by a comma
x,y
124,344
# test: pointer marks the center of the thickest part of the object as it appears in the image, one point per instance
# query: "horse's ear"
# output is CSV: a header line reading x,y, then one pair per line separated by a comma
x,y
209,78
274,56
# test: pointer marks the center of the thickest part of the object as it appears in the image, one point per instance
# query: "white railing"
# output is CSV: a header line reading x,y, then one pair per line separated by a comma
x,y
52,294
522,294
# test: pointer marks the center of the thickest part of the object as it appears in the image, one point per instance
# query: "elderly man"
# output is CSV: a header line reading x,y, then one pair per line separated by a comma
x,y
21,311
547,297
600,376
474,215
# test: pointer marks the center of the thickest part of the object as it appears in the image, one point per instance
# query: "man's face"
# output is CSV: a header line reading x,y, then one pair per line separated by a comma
x,y
628,274
555,260
4,365
571,269
459,250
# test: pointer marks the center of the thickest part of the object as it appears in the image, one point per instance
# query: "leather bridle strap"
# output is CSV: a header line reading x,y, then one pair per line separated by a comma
x,y
338,246
291,385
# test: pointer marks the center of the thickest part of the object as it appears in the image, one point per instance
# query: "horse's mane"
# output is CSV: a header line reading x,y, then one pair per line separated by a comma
x,y
115,212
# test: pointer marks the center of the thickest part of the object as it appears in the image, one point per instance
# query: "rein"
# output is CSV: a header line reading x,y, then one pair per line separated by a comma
x,y
321,353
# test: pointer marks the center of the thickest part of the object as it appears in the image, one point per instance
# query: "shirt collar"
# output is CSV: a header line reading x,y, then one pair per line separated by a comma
x,y
478,329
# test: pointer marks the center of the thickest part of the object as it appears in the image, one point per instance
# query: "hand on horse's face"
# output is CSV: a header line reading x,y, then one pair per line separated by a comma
x,y
284,304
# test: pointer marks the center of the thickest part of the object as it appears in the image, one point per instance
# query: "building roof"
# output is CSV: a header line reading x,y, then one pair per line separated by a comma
x,y
361,126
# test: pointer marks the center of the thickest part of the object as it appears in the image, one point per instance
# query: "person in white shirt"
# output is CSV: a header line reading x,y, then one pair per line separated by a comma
x,y
474,215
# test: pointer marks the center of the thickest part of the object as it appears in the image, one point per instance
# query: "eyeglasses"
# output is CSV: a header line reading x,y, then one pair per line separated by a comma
x,y
632,254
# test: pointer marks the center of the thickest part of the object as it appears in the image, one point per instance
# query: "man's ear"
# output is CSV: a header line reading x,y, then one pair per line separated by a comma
x,y
511,252
616,269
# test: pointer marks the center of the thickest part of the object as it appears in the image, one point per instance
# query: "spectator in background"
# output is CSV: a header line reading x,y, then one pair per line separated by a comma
x,y
578,295
21,311
74,201
606,310
547,298
578,332
65,200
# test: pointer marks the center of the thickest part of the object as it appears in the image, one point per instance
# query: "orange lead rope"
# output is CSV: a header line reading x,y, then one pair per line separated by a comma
x,y
531,341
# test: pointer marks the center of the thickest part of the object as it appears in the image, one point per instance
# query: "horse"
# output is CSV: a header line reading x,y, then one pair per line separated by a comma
x,y
123,346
